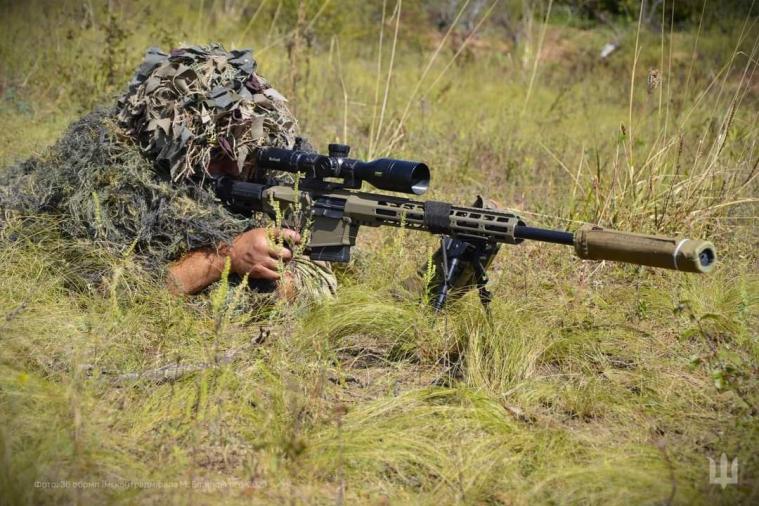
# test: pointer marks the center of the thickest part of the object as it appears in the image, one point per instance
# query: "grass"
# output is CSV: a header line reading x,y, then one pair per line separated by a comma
x,y
588,383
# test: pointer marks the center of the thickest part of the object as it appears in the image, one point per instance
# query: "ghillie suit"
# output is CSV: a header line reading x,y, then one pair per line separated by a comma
x,y
198,102
132,179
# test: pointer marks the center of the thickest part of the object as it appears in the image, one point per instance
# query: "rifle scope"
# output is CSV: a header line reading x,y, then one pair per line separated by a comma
x,y
385,173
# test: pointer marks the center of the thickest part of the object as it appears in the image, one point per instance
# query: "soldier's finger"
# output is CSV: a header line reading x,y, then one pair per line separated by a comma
x,y
284,254
262,272
287,235
271,263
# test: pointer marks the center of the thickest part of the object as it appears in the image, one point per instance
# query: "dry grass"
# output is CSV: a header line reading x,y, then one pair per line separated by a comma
x,y
589,383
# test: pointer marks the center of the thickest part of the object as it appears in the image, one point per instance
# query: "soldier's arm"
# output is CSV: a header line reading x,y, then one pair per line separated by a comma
x,y
253,252
195,271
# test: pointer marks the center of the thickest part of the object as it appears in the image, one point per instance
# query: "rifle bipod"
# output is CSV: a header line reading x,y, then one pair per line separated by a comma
x,y
462,265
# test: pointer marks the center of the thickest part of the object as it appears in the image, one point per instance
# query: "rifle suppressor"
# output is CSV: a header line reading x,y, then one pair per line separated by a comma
x,y
678,253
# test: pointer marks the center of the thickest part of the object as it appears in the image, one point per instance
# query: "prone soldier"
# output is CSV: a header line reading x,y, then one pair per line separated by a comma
x,y
136,177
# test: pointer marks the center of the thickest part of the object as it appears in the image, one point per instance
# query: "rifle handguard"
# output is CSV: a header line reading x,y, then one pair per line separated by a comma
x,y
677,253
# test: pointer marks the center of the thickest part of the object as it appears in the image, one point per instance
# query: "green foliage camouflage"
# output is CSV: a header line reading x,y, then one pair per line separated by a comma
x,y
105,190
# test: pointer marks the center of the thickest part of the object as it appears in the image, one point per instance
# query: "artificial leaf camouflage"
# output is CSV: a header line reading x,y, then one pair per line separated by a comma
x,y
187,106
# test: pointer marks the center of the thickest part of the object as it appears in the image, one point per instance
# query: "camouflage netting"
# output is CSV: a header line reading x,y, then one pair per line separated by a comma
x,y
131,179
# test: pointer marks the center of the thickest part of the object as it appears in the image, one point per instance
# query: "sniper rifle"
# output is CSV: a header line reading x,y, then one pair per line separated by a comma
x,y
326,197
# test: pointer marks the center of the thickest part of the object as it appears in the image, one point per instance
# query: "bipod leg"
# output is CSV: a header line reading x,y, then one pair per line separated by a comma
x,y
442,294
462,264
481,280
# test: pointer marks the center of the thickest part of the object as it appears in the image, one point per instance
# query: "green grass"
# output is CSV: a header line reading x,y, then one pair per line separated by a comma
x,y
588,383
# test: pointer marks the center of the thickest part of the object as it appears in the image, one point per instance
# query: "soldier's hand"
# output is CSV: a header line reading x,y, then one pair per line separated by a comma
x,y
257,252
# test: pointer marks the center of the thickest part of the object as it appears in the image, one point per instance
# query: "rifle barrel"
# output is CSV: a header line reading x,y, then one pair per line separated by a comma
x,y
544,235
